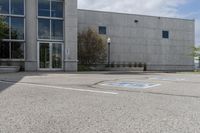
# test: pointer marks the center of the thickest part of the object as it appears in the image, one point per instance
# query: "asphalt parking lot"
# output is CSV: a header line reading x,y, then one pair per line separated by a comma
x,y
100,102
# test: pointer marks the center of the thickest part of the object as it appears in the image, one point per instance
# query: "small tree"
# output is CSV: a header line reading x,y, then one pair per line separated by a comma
x,y
196,53
91,48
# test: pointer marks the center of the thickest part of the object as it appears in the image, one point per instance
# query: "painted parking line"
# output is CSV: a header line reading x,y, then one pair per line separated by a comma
x,y
168,79
62,88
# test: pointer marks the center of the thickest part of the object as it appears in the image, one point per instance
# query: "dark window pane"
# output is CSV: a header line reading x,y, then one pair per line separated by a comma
x,y
57,29
56,9
4,50
4,29
44,8
102,30
165,34
17,7
44,55
17,28
44,29
4,6
17,50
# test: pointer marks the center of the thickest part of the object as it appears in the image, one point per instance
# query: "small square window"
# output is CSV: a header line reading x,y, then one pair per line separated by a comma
x,y
165,34
102,30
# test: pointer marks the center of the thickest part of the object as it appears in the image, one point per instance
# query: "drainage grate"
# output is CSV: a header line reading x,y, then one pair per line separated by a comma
x,y
133,85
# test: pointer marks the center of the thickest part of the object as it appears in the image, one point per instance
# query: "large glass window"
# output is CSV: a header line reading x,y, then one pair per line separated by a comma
x,y
4,6
11,50
44,28
4,50
57,29
44,8
50,19
17,7
12,45
57,9
17,50
5,28
50,8
17,28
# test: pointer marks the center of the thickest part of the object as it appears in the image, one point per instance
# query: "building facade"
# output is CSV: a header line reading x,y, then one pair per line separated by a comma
x,y
162,43
42,35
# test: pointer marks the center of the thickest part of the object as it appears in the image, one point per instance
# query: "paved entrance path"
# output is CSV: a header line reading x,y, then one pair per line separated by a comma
x,y
87,103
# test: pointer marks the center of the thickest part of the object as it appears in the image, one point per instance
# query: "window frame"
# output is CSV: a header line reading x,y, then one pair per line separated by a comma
x,y
10,7
10,15
52,30
50,18
9,10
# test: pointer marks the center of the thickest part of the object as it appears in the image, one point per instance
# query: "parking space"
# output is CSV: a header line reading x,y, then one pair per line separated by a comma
x,y
99,102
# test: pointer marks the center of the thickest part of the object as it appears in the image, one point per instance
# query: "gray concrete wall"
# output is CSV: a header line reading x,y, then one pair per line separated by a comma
x,y
142,41
31,35
70,52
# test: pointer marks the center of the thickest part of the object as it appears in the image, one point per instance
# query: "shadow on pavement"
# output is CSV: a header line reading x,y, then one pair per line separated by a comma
x,y
9,79
120,72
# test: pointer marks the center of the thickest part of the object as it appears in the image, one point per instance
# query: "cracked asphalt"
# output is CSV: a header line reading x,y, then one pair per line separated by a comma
x,y
80,103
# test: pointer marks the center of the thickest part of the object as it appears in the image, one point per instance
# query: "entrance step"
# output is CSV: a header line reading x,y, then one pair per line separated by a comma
x,y
9,69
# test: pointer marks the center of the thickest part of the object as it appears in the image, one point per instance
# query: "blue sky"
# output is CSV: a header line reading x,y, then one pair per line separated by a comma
x,y
169,8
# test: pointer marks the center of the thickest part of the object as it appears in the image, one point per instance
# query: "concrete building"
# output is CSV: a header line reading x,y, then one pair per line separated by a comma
x,y
162,43
43,36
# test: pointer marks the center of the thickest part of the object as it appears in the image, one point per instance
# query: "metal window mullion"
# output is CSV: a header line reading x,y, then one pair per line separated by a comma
x,y
9,12
50,20
24,7
10,54
50,8
9,19
54,18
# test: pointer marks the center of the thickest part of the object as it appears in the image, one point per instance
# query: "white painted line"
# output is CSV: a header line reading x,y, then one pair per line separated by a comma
x,y
168,79
63,88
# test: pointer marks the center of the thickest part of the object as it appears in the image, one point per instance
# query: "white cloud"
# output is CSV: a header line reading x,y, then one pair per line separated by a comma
x,y
167,8
148,7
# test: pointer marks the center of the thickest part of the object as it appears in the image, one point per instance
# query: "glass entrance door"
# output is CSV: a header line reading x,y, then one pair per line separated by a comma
x,y
50,56
44,55
56,55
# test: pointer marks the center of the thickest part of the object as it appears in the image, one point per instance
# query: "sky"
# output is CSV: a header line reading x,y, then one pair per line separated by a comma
x,y
189,9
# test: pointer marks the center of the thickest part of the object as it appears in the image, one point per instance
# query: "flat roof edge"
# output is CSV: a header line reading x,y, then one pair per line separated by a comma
x,y
99,11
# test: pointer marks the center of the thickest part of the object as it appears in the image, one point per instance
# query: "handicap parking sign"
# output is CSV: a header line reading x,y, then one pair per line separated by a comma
x,y
134,85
